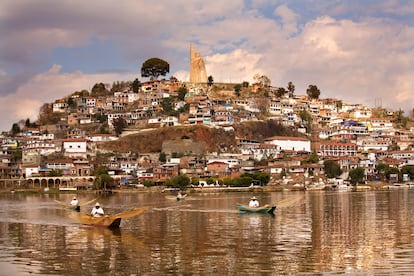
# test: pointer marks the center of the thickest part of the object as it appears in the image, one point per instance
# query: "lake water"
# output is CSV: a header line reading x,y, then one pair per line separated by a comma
x,y
326,233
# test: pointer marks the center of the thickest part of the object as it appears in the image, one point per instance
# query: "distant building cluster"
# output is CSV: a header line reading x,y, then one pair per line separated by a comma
x,y
65,153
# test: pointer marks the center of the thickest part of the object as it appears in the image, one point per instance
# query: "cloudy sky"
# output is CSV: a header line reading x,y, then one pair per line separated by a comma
x,y
361,51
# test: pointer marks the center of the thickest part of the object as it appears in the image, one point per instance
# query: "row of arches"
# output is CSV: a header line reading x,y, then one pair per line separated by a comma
x,y
60,182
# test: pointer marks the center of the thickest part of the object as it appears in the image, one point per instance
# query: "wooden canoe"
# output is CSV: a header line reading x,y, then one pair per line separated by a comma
x,y
266,209
113,221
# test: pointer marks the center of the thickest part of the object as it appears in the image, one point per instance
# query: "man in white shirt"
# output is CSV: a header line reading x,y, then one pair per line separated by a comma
x,y
74,201
97,211
253,202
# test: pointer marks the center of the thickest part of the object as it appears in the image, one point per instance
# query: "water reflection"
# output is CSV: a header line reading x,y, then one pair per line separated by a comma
x,y
357,233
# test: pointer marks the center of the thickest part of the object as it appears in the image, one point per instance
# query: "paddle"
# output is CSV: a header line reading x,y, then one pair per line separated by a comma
x,y
289,201
88,202
61,203
64,205
130,213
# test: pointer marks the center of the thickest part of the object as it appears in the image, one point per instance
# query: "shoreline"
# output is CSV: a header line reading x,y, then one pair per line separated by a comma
x,y
369,186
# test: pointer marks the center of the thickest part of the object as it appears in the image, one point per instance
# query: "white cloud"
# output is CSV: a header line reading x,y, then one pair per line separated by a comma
x,y
236,66
47,87
289,19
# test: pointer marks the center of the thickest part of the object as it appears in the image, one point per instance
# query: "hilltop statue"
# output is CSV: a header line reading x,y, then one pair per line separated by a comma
x,y
197,67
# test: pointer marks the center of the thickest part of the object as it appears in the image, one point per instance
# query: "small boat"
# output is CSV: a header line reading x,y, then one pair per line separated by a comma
x,y
266,209
113,221
270,209
181,196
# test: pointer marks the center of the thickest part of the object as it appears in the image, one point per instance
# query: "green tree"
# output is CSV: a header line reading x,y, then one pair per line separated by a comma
x,y
291,89
313,91
262,80
306,118
120,86
313,158
163,157
84,93
135,86
53,173
237,89
182,91
180,181
339,105
17,154
261,177
409,169
99,89
71,103
27,123
244,181
245,84
332,168
381,170
210,81
15,129
390,171
167,106
148,183
155,67
102,179
280,92
400,119
184,109
100,118
119,125
357,175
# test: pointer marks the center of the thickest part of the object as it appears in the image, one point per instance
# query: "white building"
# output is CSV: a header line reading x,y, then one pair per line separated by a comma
x,y
75,147
290,143
29,171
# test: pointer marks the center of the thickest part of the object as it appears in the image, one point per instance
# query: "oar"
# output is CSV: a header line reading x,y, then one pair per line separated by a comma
x,y
130,213
64,205
88,202
286,202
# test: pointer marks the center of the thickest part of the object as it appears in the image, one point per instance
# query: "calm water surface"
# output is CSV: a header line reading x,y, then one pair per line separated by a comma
x,y
328,233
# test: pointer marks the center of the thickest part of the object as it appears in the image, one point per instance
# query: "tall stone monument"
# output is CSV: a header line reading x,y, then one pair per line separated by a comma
x,y
198,72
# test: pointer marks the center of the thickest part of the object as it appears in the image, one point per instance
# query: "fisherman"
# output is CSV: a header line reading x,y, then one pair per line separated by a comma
x,y
253,202
74,201
180,196
97,211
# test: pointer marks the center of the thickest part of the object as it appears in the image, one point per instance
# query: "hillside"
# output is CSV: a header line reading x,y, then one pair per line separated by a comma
x,y
215,139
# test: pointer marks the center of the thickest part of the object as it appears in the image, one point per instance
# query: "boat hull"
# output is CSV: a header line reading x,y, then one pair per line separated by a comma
x,y
267,209
113,221
106,221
